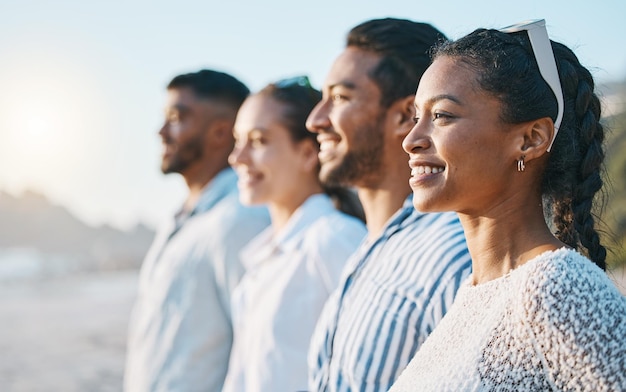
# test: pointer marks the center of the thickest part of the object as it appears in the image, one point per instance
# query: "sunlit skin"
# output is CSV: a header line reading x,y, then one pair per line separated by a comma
x,y
463,158
183,132
273,169
197,138
360,140
348,122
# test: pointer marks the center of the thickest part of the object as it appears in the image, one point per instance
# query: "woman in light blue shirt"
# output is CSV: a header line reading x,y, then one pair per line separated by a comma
x,y
294,265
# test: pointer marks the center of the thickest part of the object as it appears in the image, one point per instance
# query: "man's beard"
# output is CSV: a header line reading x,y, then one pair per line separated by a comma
x,y
363,163
184,155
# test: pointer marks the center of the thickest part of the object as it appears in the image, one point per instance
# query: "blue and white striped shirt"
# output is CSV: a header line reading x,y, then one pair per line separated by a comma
x,y
395,289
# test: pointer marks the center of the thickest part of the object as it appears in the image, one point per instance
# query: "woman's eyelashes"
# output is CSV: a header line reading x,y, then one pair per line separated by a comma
x,y
257,139
441,116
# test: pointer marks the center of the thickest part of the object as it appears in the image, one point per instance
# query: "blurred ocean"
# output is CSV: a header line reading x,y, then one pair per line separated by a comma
x,y
61,329
21,263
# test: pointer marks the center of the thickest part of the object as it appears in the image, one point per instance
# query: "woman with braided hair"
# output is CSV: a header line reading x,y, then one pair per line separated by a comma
x,y
507,134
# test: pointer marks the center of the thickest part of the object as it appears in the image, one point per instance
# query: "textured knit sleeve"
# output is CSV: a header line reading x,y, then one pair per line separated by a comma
x,y
577,322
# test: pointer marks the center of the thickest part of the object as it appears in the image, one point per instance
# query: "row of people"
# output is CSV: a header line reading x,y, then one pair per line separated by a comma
x,y
307,288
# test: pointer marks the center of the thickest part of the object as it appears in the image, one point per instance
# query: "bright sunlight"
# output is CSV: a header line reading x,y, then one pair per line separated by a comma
x,y
43,123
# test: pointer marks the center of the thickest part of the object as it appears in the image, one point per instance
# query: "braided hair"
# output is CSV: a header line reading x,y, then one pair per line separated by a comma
x,y
507,69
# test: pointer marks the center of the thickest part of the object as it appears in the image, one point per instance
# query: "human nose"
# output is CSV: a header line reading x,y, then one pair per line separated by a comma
x,y
164,130
236,155
318,119
417,138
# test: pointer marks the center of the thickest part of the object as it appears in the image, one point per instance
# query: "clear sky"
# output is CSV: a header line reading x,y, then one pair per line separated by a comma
x,y
82,82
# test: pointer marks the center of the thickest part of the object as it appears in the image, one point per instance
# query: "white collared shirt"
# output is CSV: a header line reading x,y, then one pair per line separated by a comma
x,y
180,331
277,303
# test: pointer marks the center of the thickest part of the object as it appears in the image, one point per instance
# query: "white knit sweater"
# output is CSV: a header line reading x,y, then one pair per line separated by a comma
x,y
555,323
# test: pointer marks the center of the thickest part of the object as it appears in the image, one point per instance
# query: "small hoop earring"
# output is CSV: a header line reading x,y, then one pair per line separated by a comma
x,y
520,164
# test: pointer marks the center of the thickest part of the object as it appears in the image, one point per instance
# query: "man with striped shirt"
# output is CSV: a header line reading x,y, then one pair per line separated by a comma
x,y
402,279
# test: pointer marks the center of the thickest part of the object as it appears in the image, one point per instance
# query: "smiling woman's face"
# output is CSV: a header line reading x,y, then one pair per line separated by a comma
x,y
461,154
270,165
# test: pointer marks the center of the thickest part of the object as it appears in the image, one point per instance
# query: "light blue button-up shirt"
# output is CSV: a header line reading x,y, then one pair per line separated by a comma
x,y
180,332
395,290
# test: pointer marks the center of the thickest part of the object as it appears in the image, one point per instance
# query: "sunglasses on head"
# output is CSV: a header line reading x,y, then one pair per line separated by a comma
x,y
295,81
542,49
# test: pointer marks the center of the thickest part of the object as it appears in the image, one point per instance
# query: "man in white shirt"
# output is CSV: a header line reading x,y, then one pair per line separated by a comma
x,y
180,332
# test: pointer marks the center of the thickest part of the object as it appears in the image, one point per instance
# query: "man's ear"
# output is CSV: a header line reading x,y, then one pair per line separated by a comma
x,y
403,115
535,137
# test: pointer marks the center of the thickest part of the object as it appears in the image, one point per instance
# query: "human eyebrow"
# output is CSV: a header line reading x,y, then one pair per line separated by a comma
x,y
441,97
444,97
258,132
255,133
343,84
182,109
176,110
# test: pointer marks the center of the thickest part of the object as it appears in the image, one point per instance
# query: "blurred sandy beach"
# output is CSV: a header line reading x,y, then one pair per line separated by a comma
x,y
68,333
65,333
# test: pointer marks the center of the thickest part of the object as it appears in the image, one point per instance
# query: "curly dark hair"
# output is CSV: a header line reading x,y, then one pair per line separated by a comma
x,y
404,47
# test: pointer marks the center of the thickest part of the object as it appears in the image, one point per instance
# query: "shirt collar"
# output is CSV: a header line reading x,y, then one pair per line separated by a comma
x,y
315,206
220,186
401,215
288,239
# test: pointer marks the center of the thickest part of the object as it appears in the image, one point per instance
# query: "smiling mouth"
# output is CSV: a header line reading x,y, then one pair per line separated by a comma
x,y
327,144
328,148
248,178
420,170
